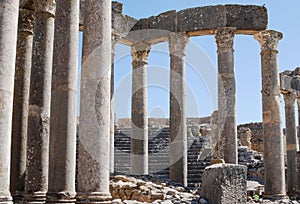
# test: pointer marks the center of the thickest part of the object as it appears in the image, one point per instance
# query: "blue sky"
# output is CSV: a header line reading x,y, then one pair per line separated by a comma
x,y
284,16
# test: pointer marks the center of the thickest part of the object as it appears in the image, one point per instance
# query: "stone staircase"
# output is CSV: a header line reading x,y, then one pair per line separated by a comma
x,y
198,155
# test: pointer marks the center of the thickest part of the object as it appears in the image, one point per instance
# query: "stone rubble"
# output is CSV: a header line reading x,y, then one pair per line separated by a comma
x,y
149,189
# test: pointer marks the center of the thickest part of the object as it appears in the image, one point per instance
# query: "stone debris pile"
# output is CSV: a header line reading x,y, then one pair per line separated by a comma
x,y
149,189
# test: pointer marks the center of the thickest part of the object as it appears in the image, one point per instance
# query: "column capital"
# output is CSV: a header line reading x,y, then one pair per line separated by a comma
x,y
26,21
268,39
289,99
140,52
45,6
224,37
178,43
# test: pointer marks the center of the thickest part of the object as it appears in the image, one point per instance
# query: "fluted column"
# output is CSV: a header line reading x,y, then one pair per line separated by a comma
x,y
178,133
36,182
94,125
8,43
21,100
291,142
226,94
139,109
64,104
272,127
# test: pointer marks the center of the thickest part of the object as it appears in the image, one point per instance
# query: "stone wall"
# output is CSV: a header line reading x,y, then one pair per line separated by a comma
x,y
256,135
163,122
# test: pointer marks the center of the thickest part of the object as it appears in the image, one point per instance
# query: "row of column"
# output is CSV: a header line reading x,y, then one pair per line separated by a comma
x,y
43,160
93,185
226,119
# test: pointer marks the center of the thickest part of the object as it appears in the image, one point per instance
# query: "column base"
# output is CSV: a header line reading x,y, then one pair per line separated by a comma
x,y
276,197
34,198
17,197
6,200
94,198
61,197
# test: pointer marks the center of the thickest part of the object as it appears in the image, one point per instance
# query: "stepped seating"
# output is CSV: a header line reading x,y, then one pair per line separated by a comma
x,y
159,154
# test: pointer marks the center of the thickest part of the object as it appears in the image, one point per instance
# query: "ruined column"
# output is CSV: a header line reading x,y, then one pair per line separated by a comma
x,y
94,125
115,39
298,130
226,94
21,100
8,43
62,158
178,133
36,182
272,127
291,142
139,109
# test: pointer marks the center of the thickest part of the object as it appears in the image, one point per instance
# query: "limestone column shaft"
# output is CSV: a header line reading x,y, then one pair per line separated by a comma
x,y
178,133
291,142
112,114
298,130
139,109
62,160
8,43
94,124
21,100
272,125
226,94
36,182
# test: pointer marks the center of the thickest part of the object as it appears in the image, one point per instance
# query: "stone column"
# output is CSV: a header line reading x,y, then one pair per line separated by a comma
x,y
272,127
36,182
298,173
8,43
62,158
291,142
139,109
21,100
298,130
178,133
115,39
94,125
226,94
216,143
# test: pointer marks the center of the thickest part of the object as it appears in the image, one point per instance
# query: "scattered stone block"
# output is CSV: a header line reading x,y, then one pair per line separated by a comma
x,y
224,184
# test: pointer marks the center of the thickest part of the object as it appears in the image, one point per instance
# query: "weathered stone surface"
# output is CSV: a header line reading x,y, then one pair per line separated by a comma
x,y
256,135
298,173
290,81
21,101
244,136
272,127
226,94
224,183
149,190
292,146
121,24
94,132
247,19
36,184
8,44
178,133
115,39
164,21
139,109
64,104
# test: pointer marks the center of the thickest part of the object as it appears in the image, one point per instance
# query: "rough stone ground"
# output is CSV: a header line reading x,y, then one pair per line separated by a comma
x,y
156,190
150,189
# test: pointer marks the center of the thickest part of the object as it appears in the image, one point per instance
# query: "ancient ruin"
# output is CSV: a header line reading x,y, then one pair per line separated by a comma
x,y
39,158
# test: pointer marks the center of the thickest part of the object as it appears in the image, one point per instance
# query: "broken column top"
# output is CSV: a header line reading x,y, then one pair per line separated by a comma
x,y
290,81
